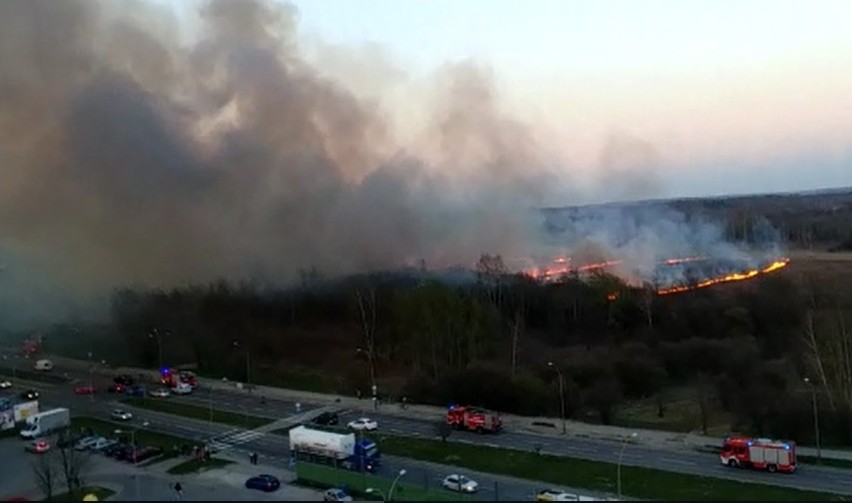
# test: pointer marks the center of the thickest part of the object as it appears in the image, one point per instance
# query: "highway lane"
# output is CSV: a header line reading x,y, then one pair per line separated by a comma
x,y
689,461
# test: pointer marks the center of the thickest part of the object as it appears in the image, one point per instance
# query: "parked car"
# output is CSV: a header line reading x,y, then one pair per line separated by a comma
x,y
363,423
336,494
84,390
29,394
141,454
326,419
182,388
265,483
118,450
103,444
38,446
160,393
86,443
460,483
117,388
121,415
5,384
554,495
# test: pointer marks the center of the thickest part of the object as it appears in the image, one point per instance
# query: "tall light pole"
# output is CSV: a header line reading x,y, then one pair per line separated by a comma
x,y
618,467
133,443
393,485
236,344
155,334
816,418
91,377
371,490
561,395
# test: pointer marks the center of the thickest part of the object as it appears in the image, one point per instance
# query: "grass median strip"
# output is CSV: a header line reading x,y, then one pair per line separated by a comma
x,y
643,483
203,413
31,375
198,466
102,493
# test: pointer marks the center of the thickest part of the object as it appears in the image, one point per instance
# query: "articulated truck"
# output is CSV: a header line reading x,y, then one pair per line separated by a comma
x,y
45,423
337,449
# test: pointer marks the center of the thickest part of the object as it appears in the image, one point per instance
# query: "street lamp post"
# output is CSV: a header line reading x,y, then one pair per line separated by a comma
x,y
561,395
816,419
236,344
371,490
393,485
618,467
91,377
155,334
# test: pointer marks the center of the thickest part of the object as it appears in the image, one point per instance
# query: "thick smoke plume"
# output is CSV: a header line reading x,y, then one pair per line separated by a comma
x,y
132,154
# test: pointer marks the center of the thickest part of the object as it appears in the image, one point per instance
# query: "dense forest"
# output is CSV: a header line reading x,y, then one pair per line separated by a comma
x,y
742,348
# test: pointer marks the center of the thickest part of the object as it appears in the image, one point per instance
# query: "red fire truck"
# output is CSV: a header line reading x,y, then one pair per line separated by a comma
x,y
172,377
473,419
759,453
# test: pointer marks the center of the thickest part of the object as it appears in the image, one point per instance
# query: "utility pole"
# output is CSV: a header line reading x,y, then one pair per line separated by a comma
x,y
816,419
561,395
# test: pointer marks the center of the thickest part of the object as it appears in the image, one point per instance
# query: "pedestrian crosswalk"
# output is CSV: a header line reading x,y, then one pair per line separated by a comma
x,y
233,438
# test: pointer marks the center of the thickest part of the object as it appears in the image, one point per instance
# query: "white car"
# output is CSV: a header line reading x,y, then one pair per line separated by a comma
x,y
182,389
5,384
160,393
555,495
460,483
363,423
121,415
86,443
102,444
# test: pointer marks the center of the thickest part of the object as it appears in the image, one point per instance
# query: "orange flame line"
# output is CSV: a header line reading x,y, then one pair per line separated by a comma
x,y
778,264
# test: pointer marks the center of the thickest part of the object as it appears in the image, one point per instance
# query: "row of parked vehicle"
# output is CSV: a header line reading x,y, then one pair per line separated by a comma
x,y
112,448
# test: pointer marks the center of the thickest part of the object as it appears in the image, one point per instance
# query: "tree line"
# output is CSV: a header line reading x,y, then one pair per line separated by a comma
x,y
494,342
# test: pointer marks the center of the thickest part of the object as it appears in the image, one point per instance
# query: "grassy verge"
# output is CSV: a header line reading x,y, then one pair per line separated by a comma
x,y
813,460
32,375
198,466
643,483
321,476
195,412
101,492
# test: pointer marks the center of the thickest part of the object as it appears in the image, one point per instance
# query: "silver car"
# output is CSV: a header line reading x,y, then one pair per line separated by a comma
x,y
460,483
121,415
160,393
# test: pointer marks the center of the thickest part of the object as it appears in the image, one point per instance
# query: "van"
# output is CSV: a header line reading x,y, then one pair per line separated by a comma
x,y
44,365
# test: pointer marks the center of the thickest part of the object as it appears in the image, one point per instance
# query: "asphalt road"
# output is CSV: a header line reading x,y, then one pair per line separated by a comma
x,y
275,447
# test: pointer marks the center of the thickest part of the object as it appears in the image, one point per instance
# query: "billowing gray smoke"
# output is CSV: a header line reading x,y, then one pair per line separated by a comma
x,y
130,155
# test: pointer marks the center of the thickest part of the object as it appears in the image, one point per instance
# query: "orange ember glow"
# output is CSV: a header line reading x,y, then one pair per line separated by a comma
x,y
778,264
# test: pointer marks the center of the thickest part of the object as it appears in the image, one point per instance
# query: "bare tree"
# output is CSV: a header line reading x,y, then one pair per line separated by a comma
x,y
72,463
47,473
367,312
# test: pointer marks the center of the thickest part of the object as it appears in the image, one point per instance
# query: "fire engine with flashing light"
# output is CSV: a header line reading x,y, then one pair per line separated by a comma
x,y
759,454
172,377
473,419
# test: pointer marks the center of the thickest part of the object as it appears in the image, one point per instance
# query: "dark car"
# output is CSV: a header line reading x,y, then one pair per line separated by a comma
x,y
136,390
141,454
265,483
117,451
124,380
29,394
117,388
326,418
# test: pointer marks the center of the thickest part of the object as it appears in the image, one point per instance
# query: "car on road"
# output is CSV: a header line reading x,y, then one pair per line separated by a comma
x,y
121,415
160,393
363,423
116,388
124,380
555,495
136,390
5,384
460,483
336,494
29,394
182,388
326,419
265,483
38,446
86,443
103,444
84,390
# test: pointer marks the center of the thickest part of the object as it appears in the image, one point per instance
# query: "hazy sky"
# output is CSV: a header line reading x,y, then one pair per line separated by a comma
x,y
733,96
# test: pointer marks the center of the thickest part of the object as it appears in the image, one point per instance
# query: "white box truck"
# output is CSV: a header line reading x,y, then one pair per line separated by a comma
x,y
45,423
